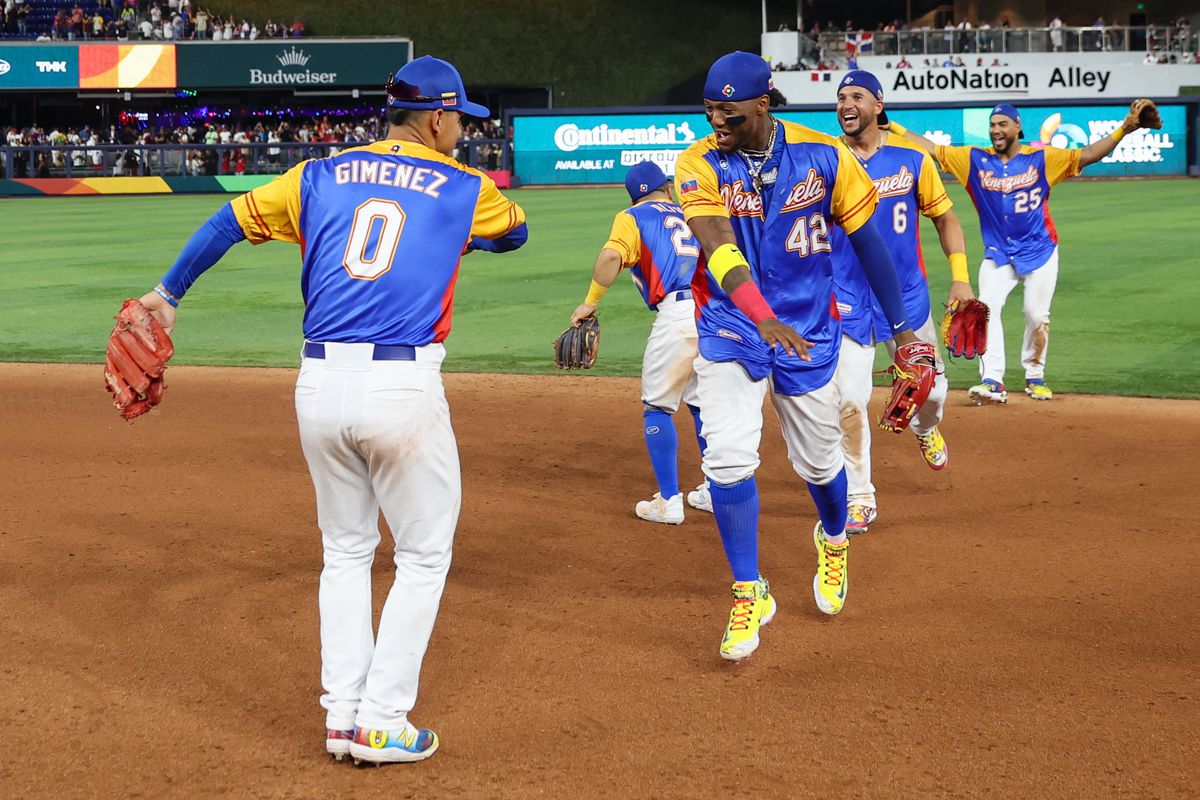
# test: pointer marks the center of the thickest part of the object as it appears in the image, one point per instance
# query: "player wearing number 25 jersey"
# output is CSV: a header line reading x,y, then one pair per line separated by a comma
x,y
381,229
651,239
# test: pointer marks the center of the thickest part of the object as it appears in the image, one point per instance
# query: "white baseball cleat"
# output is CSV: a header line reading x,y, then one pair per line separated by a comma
x,y
989,391
668,512
700,499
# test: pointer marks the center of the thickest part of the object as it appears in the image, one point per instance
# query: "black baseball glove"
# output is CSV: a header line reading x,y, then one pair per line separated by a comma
x,y
577,346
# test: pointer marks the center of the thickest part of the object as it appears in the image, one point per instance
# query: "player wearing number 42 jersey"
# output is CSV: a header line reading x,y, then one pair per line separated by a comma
x,y
382,229
908,184
761,196
1010,185
653,241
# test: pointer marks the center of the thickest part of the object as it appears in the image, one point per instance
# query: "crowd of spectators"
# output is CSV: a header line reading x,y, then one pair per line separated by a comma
x,y
124,20
1171,43
287,140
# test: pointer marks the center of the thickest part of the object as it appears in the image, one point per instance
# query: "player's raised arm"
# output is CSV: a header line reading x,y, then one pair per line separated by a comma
x,y
912,136
1143,113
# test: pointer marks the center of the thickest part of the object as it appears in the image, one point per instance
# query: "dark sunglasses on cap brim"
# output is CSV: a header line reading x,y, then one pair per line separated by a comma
x,y
406,92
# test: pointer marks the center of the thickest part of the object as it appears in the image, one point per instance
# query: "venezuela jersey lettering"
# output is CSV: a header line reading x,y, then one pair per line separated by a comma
x,y
657,245
1012,199
786,236
381,230
908,184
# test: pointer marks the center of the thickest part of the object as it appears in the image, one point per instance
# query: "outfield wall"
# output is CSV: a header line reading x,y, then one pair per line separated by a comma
x,y
588,146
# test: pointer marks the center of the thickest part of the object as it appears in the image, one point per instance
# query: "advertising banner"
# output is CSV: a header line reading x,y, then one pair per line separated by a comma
x,y
127,66
989,84
38,67
290,63
594,148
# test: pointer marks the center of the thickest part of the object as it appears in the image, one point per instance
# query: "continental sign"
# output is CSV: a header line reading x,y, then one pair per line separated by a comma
x,y
290,63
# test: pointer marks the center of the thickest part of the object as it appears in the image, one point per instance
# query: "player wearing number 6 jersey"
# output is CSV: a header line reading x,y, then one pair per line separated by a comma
x,y
761,196
1010,186
381,230
652,240
908,185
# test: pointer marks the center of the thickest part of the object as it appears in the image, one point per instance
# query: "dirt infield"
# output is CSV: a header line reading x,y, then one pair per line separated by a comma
x,y
1023,624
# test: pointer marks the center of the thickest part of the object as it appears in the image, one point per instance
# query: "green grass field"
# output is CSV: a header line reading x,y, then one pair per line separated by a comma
x,y
1124,317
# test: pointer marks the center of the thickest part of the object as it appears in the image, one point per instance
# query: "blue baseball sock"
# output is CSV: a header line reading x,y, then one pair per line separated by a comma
x,y
661,443
831,503
699,438
736,510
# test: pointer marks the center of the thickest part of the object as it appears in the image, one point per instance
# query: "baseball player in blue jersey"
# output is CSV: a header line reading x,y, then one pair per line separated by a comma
x,y
762,195
1010,185
381,230
653,241
907,182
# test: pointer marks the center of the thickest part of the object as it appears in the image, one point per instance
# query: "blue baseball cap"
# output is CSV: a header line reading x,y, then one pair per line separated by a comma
x,y
427,84
860,77
642,179
738,76
1010,111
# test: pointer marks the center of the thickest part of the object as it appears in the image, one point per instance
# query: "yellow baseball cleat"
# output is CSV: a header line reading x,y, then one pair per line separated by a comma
x,y
1037,389
933,449
833,575
753,607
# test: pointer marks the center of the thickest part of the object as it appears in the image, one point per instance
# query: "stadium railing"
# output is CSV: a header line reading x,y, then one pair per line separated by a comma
x,y
938,41
182,160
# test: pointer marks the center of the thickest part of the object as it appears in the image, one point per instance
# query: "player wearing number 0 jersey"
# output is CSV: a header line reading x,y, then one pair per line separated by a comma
x,y
1010,186
908,184
382,229
762,195
653,241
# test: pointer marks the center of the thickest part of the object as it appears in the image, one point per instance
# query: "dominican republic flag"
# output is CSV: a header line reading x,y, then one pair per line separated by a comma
x,y
857,43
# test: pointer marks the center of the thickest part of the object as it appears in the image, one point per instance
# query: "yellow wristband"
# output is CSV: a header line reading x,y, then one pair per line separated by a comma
x,y
958,268
724,259
1118,134
897,128
595,294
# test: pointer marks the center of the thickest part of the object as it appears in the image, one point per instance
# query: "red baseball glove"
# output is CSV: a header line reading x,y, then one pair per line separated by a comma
x,y
913,373
964,328
138,351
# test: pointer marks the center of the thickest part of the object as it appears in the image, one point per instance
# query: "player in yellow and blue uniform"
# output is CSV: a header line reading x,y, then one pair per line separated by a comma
x,y
762,197
382,229
1010,185
909,186
653,241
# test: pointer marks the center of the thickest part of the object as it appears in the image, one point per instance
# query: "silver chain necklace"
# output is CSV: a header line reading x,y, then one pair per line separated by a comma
x,y
765,155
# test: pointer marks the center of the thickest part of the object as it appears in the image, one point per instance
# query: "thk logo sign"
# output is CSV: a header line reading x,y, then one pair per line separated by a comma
x,y
4,66
51,66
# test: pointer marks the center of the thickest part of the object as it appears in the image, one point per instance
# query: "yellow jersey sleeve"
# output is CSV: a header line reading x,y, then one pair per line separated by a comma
x,y
854,196
931,192
272,211
955,160
625,239
495,214
1061,164
696,185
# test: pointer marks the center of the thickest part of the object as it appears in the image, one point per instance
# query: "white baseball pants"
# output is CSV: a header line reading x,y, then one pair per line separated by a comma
x,y
377,435
731,413
668,371
995,285
856,363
